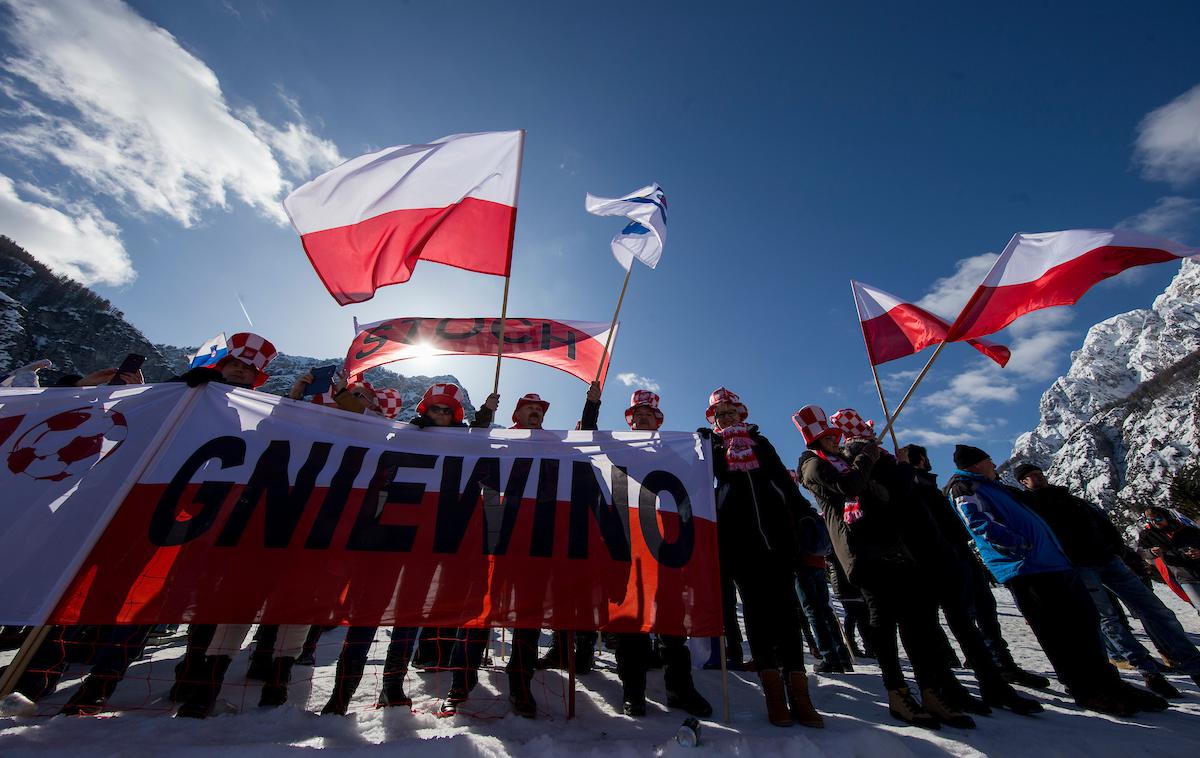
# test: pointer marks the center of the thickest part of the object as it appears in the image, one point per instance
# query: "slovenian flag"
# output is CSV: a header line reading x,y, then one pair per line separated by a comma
x,y
210,352
645,234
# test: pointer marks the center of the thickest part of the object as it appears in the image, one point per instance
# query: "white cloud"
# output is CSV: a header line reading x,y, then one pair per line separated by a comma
x,y
119,102
1040,355
898,381
1046,318
974,386
1172,217
951,293
84,245
302,151
630,379
1168,140
929,437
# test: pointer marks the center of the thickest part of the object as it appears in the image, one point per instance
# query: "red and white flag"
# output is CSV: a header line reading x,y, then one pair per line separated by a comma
x,y
1055,268
894,328
366,223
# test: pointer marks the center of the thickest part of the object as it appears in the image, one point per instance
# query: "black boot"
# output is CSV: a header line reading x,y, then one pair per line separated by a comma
x,y
633,702
521,696
275,691
261,665
681,690
555,657
91,696
395,667
346,678
202,694
1159,685
585,652
1000,694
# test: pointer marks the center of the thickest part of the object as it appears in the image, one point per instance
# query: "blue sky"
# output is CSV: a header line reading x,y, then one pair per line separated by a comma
x,y
144,148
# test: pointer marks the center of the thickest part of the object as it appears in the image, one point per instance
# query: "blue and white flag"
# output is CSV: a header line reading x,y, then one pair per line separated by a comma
x,y
210,352
646,233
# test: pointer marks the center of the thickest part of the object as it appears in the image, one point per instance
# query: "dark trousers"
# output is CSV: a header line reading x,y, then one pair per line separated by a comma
x,y
858,617
896,603
634,652
733,632
522,660
113,649
770,609
1063,618
812,587
981,605
467,656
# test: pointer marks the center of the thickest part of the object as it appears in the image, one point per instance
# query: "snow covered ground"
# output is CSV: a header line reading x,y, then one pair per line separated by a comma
x,y
857,723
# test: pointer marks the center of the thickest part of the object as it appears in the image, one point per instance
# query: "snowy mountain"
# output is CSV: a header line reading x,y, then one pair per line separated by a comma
x,y
43,315
1123,425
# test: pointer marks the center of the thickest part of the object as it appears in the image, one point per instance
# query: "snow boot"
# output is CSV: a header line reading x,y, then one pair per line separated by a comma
x,y
1142,699
449,705
202,694
345,681
633,703
944,712
91,696
275,691
958,698
902,705
261,666
520,694
1159,685
1111,703
392,693
799,702
1000,694
776,696
1014,674
829,667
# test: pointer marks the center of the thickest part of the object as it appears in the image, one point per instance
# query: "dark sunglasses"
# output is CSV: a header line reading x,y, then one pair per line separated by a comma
x,y
440,409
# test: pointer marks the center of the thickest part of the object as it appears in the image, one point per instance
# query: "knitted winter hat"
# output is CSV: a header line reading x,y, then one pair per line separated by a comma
x,y
251,349
450,395
966,456
722,395
643,398
813,424
1022,471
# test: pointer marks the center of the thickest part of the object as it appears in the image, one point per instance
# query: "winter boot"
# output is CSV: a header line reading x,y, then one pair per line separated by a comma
x,y
1159,685
633,702
776,696
91,696
1142,699
345,681
1000,694
202,694
392,693
585,653
556,654
449,705
1014,674
261,666
958,698
800,704
520,694
944,712
902,705
275,691
690,701
1112,703
847,665
829,667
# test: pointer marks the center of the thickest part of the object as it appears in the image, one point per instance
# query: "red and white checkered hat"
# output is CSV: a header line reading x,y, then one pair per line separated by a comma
x,y
251,349
643,398
852,424
443,394
531,399
813,424
722,395
390,401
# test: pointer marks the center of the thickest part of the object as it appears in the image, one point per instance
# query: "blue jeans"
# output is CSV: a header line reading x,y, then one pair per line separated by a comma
x,y
1160,622
812,587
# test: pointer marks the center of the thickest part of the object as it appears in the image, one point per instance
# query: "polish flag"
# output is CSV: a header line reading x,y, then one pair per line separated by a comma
x,y
366,223
894,328
1055,268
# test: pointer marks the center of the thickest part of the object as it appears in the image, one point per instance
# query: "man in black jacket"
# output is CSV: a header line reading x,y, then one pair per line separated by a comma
x,y
1094,545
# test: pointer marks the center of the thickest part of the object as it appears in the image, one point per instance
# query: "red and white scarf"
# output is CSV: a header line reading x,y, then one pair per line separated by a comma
x,y
851,511
739,447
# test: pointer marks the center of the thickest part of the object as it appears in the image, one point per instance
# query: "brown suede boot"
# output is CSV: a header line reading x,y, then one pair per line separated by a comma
x,y
773,690
803,710
905,707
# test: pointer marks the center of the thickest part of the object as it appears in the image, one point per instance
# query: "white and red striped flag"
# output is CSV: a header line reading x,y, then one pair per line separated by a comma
x,y
1055,268
894,328
366,223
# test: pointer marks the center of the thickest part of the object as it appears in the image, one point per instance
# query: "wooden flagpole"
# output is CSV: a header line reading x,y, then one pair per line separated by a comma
x,y
508,277
724,681
913,388
613,326
871,359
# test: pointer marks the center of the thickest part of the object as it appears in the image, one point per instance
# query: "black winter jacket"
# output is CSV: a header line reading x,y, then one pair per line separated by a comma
x,y
1172,541
759,510
1085,533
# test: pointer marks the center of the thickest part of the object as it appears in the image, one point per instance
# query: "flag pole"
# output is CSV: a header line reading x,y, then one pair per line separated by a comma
x,y
887,416
913,388
613,325
508,276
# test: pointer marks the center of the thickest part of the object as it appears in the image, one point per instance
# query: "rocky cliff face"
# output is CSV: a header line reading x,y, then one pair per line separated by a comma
x,y
43,315
1125,419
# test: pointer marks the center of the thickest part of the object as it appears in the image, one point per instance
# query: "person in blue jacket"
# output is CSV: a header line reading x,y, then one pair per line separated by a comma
x,y
1021,551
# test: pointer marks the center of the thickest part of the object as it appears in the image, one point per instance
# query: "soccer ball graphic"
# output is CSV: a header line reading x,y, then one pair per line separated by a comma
x,y
68,443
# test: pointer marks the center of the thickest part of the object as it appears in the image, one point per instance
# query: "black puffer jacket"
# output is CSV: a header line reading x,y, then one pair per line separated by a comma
x,y
1173,540
870,544
759,510
1085,533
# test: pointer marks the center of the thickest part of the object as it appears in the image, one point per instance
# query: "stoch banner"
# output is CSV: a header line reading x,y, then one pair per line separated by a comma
x,y
255,508
576,347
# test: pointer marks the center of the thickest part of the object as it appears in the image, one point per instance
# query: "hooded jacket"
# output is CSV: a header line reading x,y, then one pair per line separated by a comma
x,y
1085,533
1012,539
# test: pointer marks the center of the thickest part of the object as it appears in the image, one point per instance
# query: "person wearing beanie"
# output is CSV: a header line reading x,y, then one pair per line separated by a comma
x,y
1021,551
865,526
760,515
1095,546
634,650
